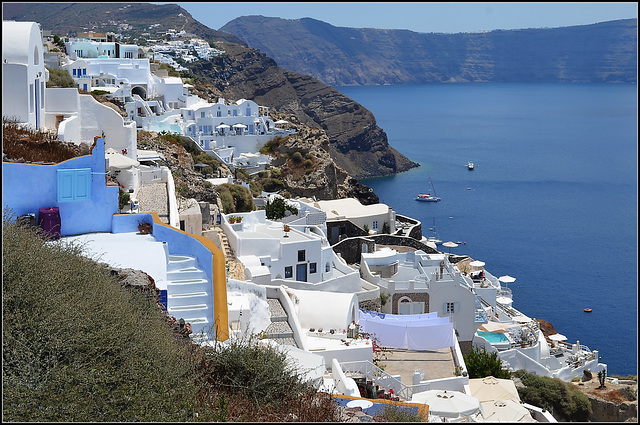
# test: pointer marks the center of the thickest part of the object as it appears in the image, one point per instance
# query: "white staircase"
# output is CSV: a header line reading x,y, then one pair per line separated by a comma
x,y
189,294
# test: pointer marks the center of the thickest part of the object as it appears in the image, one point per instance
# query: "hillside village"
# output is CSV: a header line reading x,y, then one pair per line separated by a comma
x,y
327,280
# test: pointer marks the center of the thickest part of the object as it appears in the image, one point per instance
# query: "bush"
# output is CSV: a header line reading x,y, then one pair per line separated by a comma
x,y
276,209
397,413
273,185
77,346
59,77
258,372
480,364
296,157
555,395
123,198
235,198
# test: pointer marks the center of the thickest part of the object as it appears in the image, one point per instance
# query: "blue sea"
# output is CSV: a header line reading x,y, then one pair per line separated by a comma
x,y
553,199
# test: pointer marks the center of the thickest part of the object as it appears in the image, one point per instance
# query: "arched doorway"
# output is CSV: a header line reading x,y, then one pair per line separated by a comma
x,y
140,91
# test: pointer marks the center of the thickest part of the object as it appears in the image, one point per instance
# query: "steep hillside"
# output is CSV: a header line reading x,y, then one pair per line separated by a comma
x,y
603,52
357,144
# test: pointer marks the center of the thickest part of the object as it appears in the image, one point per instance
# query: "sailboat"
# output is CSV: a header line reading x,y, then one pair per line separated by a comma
x,y
428,197
435,237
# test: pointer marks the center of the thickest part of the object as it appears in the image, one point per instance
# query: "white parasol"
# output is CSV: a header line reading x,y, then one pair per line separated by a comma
x,y
450,404
281,122
223,126
239,126
477,263
507,279
490,388
557,337
505,411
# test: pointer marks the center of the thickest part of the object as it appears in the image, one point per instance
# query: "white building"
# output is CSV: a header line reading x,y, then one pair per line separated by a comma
x,y
418,283
372,217
300,257
24,75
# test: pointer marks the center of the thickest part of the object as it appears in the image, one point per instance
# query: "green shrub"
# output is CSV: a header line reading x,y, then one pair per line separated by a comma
x,y
397,413
123,198
276,209
480,364
296,157
273,185
59,77
77,346
554,395
235,198
258,372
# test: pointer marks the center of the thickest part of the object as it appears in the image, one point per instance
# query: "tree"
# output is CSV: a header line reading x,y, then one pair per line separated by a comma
x,y
480,364
277,208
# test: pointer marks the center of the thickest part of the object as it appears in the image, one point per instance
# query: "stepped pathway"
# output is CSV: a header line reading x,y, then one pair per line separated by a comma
x,y
279,329
235,269
153,197
189,294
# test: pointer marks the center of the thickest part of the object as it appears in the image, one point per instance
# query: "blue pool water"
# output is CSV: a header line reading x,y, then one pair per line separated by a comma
x,y
493,337
552,200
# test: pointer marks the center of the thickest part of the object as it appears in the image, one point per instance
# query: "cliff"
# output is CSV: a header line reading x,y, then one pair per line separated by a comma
x,y
602,52
356,143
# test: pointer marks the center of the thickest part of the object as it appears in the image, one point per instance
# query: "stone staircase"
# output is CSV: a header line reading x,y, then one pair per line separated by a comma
x,y
279,329
189,294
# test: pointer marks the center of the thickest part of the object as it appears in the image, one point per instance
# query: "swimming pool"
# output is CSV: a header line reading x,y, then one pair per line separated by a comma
x,y
493,337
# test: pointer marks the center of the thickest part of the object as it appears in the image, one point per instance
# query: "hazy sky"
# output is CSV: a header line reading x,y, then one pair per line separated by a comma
x,y
421,17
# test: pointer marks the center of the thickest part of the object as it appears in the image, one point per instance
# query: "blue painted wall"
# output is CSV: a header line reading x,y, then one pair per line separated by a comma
x,y
28,187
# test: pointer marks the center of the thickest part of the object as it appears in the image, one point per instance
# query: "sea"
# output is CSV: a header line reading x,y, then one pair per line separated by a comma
x,y
552,201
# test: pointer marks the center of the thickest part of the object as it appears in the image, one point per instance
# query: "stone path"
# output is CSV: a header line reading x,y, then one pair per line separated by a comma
x,y
153,197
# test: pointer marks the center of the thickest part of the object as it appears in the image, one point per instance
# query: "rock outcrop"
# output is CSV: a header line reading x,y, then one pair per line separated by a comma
x,y
356,143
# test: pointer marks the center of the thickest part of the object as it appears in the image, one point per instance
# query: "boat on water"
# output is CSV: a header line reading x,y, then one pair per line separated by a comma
x,y
470,165
435,237
587,310
428,197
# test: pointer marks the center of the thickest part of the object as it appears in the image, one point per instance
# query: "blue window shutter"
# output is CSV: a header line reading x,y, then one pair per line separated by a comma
x,y
65,185
83,185
74,185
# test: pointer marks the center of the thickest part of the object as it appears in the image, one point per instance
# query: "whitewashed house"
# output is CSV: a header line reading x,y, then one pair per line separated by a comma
x,y
340,211
300,257
24,75
418,283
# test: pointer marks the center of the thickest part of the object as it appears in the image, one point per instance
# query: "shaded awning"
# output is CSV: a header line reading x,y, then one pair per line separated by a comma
x,y
117,160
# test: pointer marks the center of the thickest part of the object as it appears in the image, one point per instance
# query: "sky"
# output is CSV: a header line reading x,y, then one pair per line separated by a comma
x,y
421,16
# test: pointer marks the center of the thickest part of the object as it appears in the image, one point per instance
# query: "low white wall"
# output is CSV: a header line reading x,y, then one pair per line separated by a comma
x,y
344,385
174,215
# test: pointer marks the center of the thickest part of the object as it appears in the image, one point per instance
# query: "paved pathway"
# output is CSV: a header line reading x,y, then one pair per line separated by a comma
x,y
434,363
153,197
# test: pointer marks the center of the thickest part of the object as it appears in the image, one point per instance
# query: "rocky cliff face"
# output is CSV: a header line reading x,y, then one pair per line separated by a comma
x,y
357,144
603,52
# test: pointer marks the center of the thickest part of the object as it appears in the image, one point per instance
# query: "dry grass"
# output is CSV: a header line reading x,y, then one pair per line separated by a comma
x,y
26,145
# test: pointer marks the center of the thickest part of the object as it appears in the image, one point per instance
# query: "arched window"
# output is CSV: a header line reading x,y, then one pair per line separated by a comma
x,y
36,57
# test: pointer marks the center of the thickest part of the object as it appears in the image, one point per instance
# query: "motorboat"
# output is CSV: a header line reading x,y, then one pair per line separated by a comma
x,y
470,165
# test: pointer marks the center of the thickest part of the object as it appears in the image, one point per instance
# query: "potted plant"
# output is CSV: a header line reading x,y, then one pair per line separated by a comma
x,y
239,219
144,227
232,219
287,228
